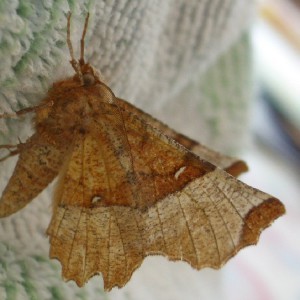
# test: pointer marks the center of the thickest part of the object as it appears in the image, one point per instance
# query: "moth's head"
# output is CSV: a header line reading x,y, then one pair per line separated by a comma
x,y
85,74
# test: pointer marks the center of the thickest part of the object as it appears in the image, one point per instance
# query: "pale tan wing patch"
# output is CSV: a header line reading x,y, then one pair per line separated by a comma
x,y
230,164
215,216
204,224
104,240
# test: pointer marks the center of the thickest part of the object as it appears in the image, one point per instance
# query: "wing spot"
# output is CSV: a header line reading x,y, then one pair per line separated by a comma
x,y
96,199
179,172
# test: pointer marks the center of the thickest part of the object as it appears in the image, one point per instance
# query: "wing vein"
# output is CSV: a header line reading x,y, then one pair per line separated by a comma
x,y
109,244
122,240
209,222
188,228
136,190
107,173
160,225
140,232
238,213
83,200
220,215
72,245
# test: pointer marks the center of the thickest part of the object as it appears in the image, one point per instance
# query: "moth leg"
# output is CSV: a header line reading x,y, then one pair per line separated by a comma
x,y
26,110
13,150
11,153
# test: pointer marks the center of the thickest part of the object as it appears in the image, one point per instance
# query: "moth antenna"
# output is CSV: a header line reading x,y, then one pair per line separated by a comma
x,y
73,61
81,61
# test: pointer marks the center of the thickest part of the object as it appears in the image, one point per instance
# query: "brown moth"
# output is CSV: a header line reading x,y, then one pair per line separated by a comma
x,y
128,185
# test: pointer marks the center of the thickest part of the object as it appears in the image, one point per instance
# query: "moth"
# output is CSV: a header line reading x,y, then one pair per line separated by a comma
x,y
128,185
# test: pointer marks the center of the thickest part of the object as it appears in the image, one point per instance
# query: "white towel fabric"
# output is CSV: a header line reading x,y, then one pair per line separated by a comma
x,y
185,62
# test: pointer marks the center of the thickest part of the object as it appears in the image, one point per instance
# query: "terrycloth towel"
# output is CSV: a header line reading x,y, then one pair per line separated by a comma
x,y
185,62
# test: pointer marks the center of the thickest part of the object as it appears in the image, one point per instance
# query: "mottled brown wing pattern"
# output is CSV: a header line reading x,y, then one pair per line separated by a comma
x,y
123,161
38,164
92,175
185,208
230,164
161,165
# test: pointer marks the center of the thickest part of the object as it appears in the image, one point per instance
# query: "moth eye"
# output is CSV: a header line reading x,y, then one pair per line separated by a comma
x,y
88,79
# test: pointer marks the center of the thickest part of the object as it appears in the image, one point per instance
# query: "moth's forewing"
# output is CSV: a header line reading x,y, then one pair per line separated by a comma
x,y
230,164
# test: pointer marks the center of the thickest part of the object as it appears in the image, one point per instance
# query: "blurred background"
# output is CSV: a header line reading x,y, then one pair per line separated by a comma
x,y
274,156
